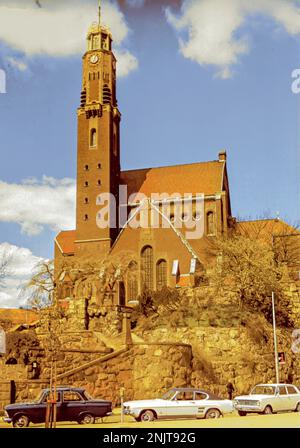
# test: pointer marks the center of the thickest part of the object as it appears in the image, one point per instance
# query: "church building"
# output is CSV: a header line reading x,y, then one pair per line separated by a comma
x,y
164,254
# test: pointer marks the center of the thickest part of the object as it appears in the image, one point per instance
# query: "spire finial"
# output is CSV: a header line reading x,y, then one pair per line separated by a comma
x,y
99,13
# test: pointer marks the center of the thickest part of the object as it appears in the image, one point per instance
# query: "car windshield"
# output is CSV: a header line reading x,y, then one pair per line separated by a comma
x,y
263,390
169,395
39,397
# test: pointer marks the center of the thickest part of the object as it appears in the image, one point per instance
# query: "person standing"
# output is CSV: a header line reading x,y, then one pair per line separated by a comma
x,y
230,390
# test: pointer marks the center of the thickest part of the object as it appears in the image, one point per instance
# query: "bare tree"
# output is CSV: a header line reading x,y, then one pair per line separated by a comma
x,y
283,238
5,266
247,268
40,288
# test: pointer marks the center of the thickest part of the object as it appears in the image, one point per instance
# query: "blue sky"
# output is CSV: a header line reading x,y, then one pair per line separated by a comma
x,y
179,104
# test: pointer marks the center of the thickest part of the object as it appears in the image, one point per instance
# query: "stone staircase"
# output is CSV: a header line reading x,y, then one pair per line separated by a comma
x,y
96,361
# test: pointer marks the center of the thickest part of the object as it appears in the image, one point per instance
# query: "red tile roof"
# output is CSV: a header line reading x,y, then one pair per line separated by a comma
x,y
204,177
66,241
265,228
18,316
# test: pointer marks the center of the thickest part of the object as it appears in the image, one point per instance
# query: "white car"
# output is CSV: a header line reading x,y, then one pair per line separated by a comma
x,y
179,403
269,398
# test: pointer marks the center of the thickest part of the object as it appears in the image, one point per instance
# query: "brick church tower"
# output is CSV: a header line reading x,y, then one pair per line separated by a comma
x,y
98,152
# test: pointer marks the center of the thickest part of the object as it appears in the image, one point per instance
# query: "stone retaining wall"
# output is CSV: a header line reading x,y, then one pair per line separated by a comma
x,y
145,371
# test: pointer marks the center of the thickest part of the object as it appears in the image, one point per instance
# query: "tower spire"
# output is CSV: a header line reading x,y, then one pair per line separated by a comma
x,y
99,13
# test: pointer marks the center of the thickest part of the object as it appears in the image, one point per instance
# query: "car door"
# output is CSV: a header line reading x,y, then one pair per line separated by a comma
x,y
72,405
37,412
201,402
282,399
182,405
294,397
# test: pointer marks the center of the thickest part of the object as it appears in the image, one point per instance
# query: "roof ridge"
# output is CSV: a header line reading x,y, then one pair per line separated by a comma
x,y
261,219
170,166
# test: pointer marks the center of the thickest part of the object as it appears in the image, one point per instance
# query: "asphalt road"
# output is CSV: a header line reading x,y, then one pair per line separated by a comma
x,y
284,420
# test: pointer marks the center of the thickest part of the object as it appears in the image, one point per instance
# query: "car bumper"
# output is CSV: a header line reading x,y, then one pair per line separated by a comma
x,y
248,408
131,412
7,419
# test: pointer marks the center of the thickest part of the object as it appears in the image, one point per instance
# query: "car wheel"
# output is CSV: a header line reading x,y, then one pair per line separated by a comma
x,y
242,413
87,419
213,413
21,421
268,410
297,408
147,416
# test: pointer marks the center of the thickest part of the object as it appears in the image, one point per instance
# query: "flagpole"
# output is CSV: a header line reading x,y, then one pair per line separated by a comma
x,y
275,339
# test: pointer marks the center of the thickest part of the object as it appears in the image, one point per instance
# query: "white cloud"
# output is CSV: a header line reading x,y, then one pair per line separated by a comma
x,y
22,265
19,64
35,204
127,62
58,29
212,27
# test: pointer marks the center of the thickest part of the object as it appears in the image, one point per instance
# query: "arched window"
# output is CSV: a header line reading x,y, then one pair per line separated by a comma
x,y
210,223
147,267
161,274
93,137
132,281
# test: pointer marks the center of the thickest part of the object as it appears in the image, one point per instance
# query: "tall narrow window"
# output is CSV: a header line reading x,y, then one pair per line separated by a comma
x,y
93,138
132,281
161,274
210,223
122,294
86,200
147,268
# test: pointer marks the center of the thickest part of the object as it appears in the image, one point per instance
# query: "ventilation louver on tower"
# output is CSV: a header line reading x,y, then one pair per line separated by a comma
x,y
83,98
106,94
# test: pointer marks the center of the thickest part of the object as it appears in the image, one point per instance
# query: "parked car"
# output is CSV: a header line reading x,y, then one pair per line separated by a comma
x,y
73,404
269,398
179,403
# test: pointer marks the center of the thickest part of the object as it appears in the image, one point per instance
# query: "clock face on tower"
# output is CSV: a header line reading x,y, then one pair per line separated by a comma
x,y
94,59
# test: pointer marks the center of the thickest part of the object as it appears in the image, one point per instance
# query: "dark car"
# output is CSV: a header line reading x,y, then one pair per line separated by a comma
x,y
73,404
